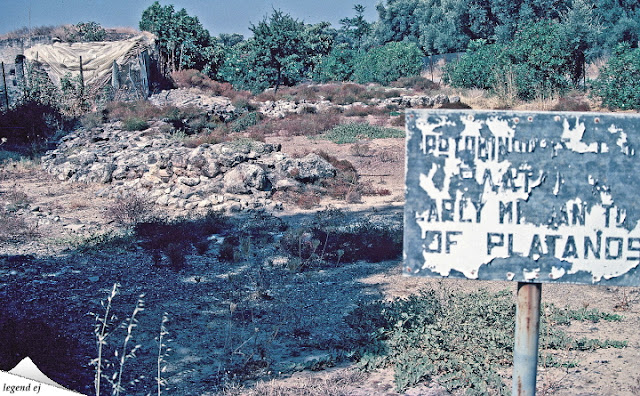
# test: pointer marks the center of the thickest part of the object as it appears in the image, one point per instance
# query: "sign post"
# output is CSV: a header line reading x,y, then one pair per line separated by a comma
x,y
525,350
530,197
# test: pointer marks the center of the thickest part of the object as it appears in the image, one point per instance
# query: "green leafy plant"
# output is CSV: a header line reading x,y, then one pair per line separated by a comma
x,y
462,339
351,133
388,63
617,83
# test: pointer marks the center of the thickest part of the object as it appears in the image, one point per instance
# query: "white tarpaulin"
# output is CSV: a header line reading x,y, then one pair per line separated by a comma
x,y
97,57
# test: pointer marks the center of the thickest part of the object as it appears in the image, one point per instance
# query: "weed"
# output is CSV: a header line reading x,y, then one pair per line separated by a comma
x,y
362,111
462,339
174,238
134,124
130,210
245,121
635,388
398,121
564,316
103,330
163,351
361,150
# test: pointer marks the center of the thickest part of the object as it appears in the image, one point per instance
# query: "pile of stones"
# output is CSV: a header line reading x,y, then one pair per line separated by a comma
x,y
227,176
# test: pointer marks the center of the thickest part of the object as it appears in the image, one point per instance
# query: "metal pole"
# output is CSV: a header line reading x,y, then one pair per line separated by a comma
x,y
525,351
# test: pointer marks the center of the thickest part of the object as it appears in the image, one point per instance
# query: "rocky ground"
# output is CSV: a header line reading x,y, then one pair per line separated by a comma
x,y
262,310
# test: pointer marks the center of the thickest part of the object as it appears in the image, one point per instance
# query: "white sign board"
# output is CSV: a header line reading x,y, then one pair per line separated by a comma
x,y
535,196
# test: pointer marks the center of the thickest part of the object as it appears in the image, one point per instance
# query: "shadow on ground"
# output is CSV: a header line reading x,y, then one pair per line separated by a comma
x,y
254,310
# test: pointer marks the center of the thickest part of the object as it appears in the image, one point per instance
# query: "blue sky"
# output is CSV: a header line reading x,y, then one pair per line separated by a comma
x,y
218,16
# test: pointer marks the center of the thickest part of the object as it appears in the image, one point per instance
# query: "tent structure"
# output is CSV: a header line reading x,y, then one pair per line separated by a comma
x,y
120,63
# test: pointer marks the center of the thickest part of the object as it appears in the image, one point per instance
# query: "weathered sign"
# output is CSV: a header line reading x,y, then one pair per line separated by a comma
x,y
523,196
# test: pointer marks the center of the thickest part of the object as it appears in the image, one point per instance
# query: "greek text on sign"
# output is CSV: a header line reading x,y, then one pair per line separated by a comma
x,y
545,197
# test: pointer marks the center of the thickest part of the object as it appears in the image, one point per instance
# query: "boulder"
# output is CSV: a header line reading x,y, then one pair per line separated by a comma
x,y
245,178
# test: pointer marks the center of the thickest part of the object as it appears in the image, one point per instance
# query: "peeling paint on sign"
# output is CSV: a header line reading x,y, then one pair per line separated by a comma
x,y
545,197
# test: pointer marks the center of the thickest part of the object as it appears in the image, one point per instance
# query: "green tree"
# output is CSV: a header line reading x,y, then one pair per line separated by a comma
x,y
229,40
538,62
240,68
617,83
356,28
477,68
398,21
580,30
279,48
90,31
620,21
282,51
182,41
388,63
337,65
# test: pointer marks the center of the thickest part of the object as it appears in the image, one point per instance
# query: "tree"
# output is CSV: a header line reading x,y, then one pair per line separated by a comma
x,y
580,30
282,51
338,65
388,63
356,28
398,21
182,41
279,48
229,40
538,62
617,83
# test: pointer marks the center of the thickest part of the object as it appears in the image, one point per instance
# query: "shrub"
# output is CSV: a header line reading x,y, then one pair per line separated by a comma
x,y
141,109
388,63
245,121
476,68
135,124
296,125
351,133
191,78
130,210
28,126
334,239
465,340
337,66
617,84
538,62
417,83
572,103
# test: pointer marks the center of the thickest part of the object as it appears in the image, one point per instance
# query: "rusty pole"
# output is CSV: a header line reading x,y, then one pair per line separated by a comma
x,y
525,350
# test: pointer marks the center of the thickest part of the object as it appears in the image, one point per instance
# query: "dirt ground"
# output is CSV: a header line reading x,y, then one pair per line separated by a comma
x,y
227,312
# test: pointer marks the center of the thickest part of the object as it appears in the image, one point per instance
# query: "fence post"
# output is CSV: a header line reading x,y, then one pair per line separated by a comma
x,y
6,90
525,350
81,79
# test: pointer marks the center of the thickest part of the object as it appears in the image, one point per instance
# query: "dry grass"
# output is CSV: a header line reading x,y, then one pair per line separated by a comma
x,y
339,383
296,125
130,210
191,78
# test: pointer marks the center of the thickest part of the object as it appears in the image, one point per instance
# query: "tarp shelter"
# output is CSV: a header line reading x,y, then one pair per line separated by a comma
x,y
59,59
